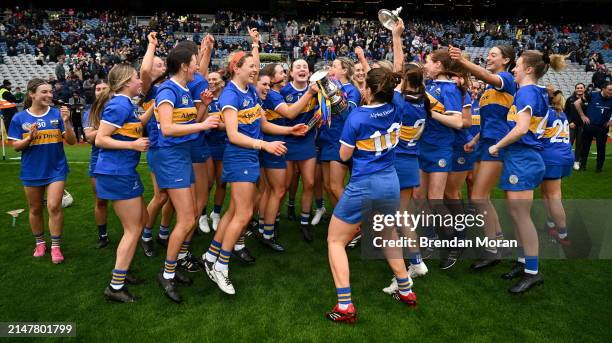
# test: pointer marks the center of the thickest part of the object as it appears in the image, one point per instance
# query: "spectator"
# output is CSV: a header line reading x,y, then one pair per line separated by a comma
x,y
576,125
597,123
60,72
8,103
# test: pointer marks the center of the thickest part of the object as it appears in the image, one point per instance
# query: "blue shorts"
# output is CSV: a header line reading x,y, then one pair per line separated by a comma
x,y
240,168
92,165
43,182
216,151
554,172
301,149
407,167
523,169
462,161
172,166
199,151
482,151
434,158
271,161
329,152
150,153
118,187
382,185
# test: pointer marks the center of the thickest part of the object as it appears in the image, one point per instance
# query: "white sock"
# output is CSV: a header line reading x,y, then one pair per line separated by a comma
x,y
238,246
220,266
209,257
168,276
343,306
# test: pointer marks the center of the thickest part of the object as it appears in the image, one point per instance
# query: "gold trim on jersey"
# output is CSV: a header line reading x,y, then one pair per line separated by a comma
x,y
369,144
533,125
132,130
273,115
45,137
436,105
476,119
555,131
216,114
409,132
494,97
249,115
180,115
146,105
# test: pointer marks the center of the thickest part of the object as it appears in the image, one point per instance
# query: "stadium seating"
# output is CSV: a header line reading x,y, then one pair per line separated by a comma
x,y
22,68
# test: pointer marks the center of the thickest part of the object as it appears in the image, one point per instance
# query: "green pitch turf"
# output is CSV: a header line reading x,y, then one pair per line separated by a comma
x,y
283,296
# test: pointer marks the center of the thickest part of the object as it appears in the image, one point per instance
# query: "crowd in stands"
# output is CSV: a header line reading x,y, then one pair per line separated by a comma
x,y
86,45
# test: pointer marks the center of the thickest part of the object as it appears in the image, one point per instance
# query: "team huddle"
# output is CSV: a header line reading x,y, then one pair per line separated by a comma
x,y
405,131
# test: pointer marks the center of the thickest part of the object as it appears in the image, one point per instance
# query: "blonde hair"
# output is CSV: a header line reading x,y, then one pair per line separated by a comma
x,y
540,62
557,100
118,76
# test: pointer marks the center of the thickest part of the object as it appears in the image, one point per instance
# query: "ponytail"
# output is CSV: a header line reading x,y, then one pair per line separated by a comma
x,y
413,78
97,107
118,76
540,62
382,83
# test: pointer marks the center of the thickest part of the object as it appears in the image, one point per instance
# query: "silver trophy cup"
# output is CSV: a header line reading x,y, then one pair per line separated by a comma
x,y
331,91
388,18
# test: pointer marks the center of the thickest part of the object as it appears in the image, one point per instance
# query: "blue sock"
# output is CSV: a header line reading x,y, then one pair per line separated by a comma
x,y
217,209
213,251
118,279
147,234
169,269
562,232
531,265
268,231
164,231
415,258
344,297
223,260
304,218
319,202
404,285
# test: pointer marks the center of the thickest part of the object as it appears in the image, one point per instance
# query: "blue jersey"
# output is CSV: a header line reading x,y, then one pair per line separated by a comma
x,y
557,149
535,98
413,118
475,128
183,111
598,108
44,158
494,105
374,132
246,103
332,133
151,126
463,136
86,125
196,86
445,97
215,136
120,113
292,95
273,101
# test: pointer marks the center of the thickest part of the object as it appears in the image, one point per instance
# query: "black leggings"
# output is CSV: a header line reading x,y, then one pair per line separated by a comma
x,y
600,133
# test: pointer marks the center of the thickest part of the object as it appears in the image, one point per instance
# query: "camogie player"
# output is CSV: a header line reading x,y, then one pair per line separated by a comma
x,y
217,142
101,205
369,136
244,124
558,159
302,151
38,132
494,105
178,128
334,170
119,138
278,112
436,143
359,78
152,74
523,166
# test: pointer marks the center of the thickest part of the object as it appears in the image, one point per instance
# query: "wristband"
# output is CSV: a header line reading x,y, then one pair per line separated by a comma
x,y
257,144
255,46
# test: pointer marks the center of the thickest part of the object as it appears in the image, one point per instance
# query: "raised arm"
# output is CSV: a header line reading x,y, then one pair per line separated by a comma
x,y
147,63
398,53
361,58
206,49
479,72
255,45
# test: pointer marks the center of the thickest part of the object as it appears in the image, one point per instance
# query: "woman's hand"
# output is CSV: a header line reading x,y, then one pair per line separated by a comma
x,y
277,148
210,123
206,97
141,144
298,130
152,38
494,150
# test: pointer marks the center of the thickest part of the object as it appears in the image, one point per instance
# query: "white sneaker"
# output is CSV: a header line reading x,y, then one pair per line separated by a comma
x,y
223,281
319,212
203,224
416,270
576,165
392,287
216,218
